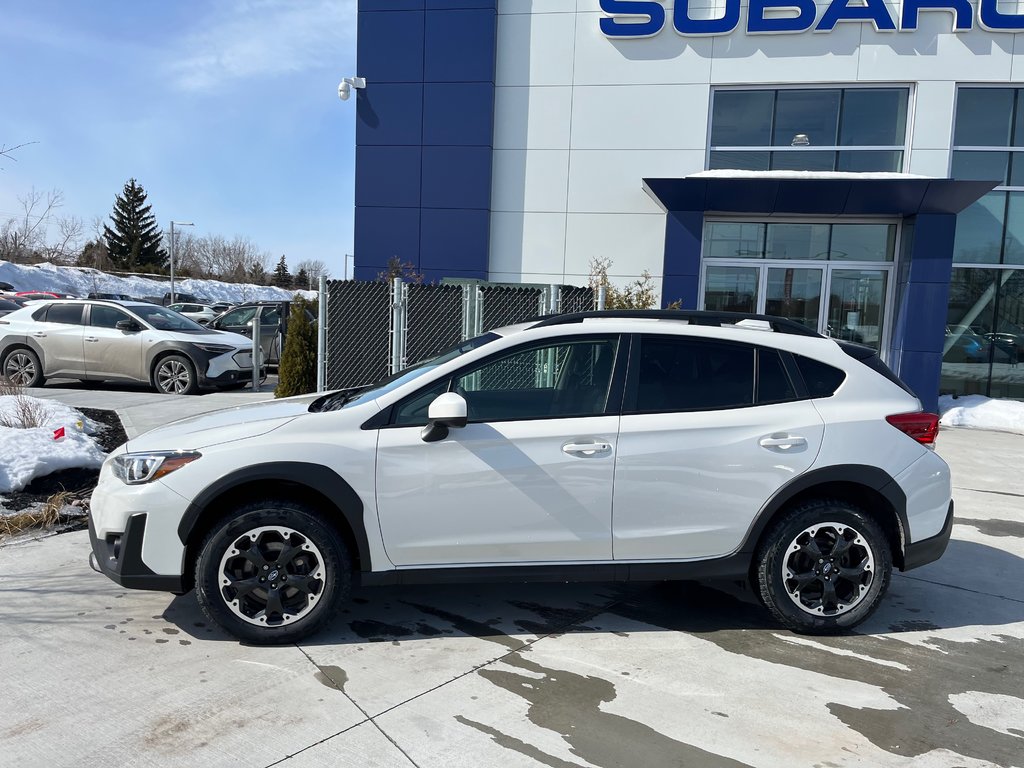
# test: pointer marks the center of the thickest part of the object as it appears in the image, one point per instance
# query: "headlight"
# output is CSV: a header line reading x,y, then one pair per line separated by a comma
x,y
217,349
138,468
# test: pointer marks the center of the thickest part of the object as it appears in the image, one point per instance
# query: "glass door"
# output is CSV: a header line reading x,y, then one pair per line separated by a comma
x,y
731,289
795,293
856,305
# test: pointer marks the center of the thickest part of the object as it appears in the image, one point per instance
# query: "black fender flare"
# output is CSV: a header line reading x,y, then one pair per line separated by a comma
x,y
316,477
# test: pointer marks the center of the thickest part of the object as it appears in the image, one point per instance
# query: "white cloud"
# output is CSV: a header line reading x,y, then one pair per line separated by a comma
x,y
264,37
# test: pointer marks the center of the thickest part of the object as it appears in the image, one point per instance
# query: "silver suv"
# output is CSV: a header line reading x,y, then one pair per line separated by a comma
x,y
120,341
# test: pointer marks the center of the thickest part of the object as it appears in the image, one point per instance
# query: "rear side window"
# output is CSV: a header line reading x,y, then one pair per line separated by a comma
x,y
773,384
64,313
822,380
681,374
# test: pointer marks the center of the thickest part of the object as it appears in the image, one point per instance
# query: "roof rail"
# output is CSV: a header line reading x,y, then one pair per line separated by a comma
x,y
692,317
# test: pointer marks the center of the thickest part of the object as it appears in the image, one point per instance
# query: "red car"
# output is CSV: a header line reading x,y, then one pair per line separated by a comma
x,y
43,295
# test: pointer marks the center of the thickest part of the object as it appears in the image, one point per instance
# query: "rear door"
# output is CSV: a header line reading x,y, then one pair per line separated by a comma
x,y
59,334
709,431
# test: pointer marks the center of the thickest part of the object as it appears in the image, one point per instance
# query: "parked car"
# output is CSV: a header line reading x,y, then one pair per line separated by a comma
x,y
273,319
180,296
612,445
201,313
111,296
123,341
6,307
220,307
34,295
7,287
970,346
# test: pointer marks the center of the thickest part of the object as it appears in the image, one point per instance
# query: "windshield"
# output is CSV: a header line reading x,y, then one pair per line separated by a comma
x,y
166,320
358,395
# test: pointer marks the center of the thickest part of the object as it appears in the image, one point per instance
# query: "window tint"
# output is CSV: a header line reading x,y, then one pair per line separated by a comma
x,y
65,313
822,380
413,412
270,316
106,317
773,384
238,316
680,374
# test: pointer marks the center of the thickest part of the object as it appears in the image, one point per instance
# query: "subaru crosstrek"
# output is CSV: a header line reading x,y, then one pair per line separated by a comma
x,y
595,446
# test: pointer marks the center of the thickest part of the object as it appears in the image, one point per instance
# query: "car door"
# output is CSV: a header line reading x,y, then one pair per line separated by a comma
x,y
111,353
527,480
59,334
709,431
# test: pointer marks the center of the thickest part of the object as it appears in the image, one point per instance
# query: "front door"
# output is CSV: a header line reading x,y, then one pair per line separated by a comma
x,y
528,480
109,352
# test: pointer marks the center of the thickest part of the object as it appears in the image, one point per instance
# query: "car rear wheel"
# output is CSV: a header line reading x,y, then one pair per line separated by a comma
x,y
824,567
22,368
175,375
272,573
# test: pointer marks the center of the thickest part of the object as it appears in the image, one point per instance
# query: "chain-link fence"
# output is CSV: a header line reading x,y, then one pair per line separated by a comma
x,y
374,329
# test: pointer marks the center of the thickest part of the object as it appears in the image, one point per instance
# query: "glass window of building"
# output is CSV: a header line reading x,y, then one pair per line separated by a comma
x,y
809,129
984,336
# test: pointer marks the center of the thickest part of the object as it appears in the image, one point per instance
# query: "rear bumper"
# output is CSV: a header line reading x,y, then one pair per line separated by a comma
x,y
929,550
119,558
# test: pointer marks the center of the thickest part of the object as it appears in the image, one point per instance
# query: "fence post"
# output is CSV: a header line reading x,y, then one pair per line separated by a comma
x,y
321,336
397,325
257,350
602,297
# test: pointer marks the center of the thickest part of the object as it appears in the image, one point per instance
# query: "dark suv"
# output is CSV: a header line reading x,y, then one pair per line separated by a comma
x,y
273,319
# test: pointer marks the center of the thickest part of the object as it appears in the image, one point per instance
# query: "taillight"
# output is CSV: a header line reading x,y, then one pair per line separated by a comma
x,y
921,426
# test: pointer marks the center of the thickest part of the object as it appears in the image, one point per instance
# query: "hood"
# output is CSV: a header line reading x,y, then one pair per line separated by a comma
x,y
223,426
213,336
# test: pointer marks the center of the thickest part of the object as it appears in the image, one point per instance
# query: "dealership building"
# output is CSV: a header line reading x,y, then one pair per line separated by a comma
x,y
855,165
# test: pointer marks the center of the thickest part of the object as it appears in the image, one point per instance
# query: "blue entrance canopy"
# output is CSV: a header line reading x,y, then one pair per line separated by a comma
x,y
826,196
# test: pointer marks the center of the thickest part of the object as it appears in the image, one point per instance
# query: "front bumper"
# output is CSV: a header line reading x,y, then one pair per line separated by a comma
x,y
929,550
119,557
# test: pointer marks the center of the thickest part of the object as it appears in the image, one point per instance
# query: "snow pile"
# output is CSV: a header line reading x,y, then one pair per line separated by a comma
x,y
81,281
980,412
34,452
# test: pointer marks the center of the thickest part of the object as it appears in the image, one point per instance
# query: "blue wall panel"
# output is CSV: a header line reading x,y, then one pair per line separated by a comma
x,y
390,47
456,177
388,176
389,113
458,114
681,268
383,233
452,240
460,46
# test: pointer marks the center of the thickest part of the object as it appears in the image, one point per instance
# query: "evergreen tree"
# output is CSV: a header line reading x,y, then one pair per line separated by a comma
x,y
302,279
257,274
282,277
134,240
297,372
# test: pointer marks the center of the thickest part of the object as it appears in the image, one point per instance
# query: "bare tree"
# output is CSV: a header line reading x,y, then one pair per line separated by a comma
x,y
7,153
24,236
64,248
315,268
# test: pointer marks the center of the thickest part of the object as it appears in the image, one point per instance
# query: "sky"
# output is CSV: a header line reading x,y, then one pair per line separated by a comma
x,y
226,112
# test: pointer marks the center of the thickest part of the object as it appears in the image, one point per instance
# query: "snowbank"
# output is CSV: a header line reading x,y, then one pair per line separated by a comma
x,y
81,281
980,412
31,453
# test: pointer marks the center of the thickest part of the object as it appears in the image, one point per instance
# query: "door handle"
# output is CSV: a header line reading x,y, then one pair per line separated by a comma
x,y
782,441
92,338
586,449
39,334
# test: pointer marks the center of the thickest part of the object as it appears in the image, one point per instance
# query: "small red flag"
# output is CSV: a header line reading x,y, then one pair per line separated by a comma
x,y
58,433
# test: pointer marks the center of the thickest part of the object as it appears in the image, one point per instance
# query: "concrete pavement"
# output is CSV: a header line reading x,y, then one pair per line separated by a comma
x,y
528,675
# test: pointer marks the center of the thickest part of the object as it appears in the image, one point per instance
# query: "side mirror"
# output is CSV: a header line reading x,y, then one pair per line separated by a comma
x,y
129,326
447,411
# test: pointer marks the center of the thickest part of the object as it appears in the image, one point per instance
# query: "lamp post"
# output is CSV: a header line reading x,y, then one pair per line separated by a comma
x,y
180,224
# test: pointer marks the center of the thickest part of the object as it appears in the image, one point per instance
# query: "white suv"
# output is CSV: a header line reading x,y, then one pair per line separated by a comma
x,y
596,446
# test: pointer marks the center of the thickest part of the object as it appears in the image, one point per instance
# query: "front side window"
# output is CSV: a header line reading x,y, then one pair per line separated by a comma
x,y
239,316
809,129
106,317
684,374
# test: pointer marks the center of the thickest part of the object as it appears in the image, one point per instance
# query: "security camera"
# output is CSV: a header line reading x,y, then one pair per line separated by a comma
x,y
347,84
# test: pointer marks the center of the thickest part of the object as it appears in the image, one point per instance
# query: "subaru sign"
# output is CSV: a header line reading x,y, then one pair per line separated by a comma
x,y
647,18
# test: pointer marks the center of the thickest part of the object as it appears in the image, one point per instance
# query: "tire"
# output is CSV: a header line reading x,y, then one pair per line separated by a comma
x,y
175,375
807,596
22,367
228,576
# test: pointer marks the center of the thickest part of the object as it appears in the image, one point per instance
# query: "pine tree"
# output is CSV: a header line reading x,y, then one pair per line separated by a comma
x,y
297,372
282,277
302,279
134,240
257,273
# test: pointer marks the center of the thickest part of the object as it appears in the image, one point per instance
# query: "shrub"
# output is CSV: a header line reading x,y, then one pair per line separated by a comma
x,y
297,371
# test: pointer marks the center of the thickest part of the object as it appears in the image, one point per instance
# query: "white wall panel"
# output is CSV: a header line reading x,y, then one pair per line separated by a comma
x,y
798,58
665,58
633,241
532,118
609,181
538,6
647,116
933,52
526,242
929,162
535,49
529,180
933,115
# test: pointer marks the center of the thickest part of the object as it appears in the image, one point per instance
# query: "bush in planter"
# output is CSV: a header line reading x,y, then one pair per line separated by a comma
x,y
297,371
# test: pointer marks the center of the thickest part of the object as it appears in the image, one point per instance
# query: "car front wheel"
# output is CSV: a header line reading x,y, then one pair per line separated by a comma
x,y
824,567
272,572
175,375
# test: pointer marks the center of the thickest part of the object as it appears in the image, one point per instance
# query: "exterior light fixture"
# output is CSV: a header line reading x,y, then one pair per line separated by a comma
x,y
347,84
800,140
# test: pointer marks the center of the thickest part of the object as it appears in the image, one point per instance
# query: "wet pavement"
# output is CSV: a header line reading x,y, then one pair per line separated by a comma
x,y
535,675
